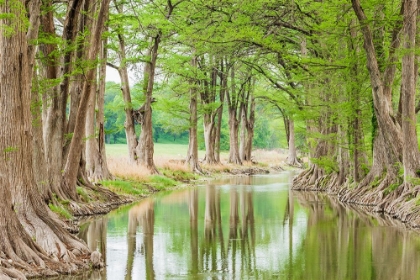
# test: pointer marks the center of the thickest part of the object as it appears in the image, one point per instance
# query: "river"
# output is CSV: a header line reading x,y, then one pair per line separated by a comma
x,y
249,227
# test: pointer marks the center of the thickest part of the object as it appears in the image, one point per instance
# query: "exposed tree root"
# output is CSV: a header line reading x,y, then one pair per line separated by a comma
x,y
378,191
294,162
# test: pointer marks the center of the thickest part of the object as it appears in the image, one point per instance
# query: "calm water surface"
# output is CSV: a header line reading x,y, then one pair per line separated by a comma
x,y
249,228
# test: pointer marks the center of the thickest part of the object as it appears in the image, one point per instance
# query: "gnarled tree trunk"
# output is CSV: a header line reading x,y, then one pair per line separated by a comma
x,y
30,234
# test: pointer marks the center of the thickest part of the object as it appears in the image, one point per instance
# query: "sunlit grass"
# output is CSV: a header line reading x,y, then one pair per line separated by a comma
x,y
126,187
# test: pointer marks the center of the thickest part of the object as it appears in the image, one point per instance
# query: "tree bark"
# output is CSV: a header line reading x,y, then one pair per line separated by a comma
x,y
145,147
55,111
208,99
72,164
388,129
39,237
411,155
292,158
129,125
250,129
192,156
96,164
233,97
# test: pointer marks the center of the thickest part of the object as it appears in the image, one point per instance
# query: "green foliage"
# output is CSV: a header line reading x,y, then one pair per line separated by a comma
x,y
328,164
83,194
391,188
14,19
60,210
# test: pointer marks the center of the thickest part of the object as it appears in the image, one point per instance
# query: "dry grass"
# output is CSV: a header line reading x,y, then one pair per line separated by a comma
x,y
172,165
270,157
121,168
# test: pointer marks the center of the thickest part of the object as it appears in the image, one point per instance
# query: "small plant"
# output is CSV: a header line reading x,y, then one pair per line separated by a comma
x,y
82,192
391,188
61,211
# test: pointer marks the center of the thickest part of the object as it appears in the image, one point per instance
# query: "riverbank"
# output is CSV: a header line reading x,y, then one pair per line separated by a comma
x,y
131,182
397,201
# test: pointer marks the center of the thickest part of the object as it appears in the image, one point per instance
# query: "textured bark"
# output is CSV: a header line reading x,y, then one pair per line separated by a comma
x,y
55,111
233,97
411,156
219,113
242,134
250,129
96,164
145,146
388,129
30,234
72,164
208,98
101,171
90,145
192,156
292,158
208,138
38,155
129,125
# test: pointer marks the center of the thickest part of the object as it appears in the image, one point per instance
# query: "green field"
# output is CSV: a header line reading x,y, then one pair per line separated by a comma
x,y
173,150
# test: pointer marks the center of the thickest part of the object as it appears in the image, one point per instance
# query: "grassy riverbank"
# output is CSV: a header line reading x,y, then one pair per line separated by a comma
x,y
132,182
136,181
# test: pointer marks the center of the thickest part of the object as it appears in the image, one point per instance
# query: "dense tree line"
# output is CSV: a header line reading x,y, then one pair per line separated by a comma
x,y
344,72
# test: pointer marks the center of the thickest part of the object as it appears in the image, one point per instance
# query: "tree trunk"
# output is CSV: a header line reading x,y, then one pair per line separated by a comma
x,y
233,137
208,122
20,197
145,147
219,114
250,130
129,125
90,145
72,164
388,129
292,158
408,93
192,156
96,165
101,171
243,131
38,158
232,97
208,98
54,111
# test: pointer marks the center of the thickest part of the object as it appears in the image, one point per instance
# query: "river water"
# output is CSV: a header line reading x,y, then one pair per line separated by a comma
x,y
249,227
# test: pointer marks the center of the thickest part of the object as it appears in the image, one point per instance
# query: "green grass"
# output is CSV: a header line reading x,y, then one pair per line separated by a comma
x,y
61,211
162,182
126,187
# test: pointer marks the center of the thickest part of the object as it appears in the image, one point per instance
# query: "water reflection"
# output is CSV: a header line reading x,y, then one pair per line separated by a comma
x,y
141,215
249,227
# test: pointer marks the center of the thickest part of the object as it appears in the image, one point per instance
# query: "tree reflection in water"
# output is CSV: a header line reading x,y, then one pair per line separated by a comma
x,y
141,215
251,227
